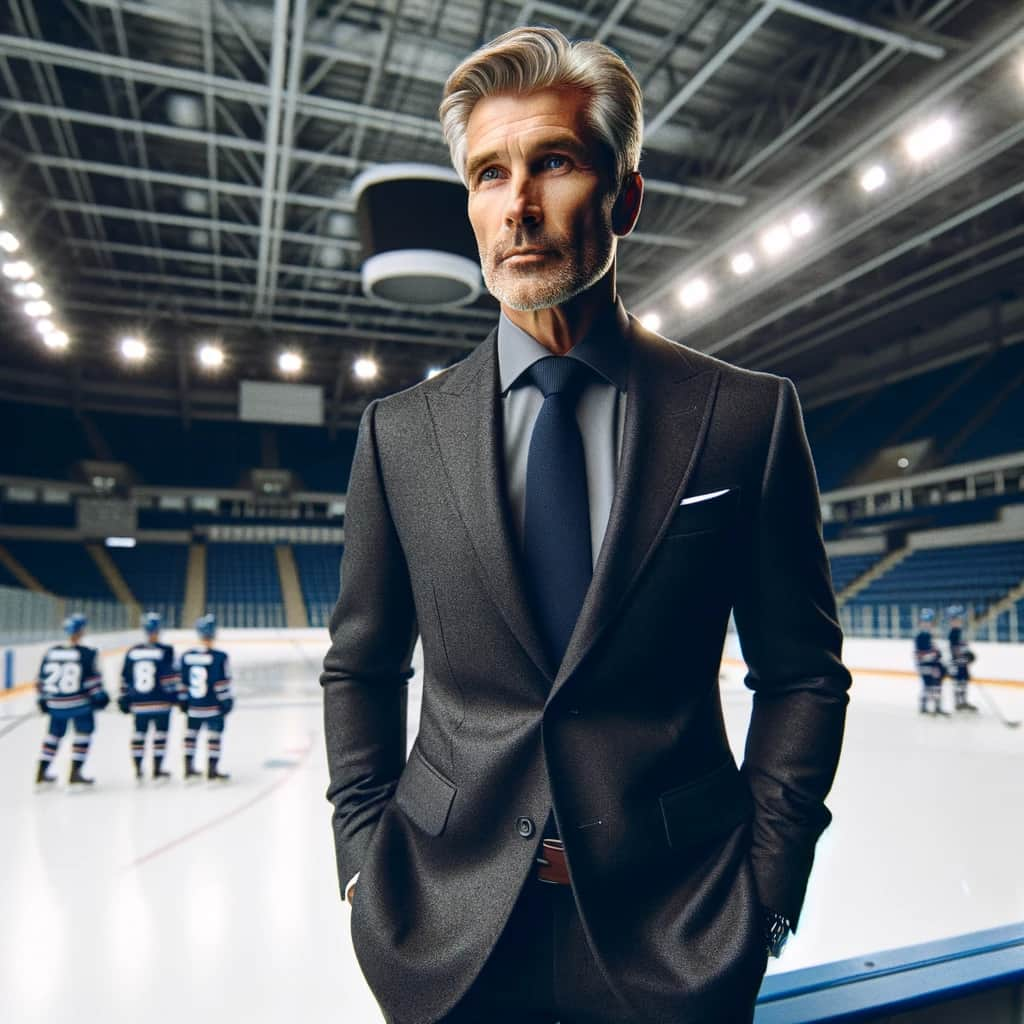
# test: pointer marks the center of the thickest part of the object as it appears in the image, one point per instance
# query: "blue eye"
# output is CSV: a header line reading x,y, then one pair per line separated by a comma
x,y
554,163
489,174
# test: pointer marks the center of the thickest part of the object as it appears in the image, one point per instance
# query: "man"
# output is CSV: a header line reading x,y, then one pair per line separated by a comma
x,y
69,689
559,517
207,699
929,665
960,659
150,689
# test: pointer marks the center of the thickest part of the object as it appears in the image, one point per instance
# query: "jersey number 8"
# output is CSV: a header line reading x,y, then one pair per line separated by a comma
x,y
144,676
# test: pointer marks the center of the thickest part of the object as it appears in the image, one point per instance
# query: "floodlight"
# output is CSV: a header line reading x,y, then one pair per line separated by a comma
x,y
38,308
776,240
45,327
742,263
211,356
903,462
8,242
365,369
28,290
873,178
927,140
133,349
651,321
694,293
57,340
19,270
801,225
289,362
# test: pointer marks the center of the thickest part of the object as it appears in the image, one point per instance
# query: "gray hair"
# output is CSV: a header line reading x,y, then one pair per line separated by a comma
x,y
529,59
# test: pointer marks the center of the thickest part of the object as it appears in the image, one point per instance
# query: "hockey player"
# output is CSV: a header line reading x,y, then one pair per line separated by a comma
x,y
150,688
960,658
207,678
929,665
69,688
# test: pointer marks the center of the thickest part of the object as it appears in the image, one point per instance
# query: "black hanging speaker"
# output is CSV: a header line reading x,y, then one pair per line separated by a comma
x,y
418,247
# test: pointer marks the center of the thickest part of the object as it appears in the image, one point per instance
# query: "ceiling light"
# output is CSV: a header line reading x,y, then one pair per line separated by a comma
x,y
195,201
211,356
366,369
742,263
199,239
801,225
133,349
19,270
56,340
776,240
927,140
903,462
331,256
38,308
8,242
873,178
651,321
289,362
185,111
1,208
694,293
45,327
342,225
28,290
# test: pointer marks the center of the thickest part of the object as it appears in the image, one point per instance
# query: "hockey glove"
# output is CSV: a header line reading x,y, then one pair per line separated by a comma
x,y
125,704
100,700
226,706
42,706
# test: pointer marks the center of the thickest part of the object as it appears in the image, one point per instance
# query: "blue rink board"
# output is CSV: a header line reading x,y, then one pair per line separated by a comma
x,y
895,980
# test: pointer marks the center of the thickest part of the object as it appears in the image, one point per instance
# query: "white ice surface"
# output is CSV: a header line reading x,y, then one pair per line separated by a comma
x,y
175,905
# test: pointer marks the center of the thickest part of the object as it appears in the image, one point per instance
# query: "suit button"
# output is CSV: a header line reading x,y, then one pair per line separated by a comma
x,y
525,827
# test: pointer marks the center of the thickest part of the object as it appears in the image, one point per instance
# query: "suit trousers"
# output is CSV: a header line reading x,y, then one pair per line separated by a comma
x,y
542,971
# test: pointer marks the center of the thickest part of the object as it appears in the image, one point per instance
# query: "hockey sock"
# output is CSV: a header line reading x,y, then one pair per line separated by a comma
x,y
80,750
49,751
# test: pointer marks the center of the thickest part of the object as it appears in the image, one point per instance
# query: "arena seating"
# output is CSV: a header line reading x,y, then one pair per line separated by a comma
x,y
7,578
155,574
319,463
847,568
242,585
41,441
974,575
317,565
62,567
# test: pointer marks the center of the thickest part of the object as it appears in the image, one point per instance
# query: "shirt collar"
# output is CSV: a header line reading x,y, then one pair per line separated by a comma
x,y
605,349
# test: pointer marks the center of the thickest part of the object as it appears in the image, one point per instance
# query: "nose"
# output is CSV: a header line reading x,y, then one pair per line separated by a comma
x,y
523,206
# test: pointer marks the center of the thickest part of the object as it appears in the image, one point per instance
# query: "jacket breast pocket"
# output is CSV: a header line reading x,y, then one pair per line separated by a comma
x,y
707,808
704,515
424,794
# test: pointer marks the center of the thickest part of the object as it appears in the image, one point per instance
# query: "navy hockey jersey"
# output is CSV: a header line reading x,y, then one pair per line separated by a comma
x,y
149,679
207,677
928,657
69,680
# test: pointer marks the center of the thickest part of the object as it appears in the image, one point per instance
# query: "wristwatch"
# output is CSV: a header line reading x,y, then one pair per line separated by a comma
x,y
776,930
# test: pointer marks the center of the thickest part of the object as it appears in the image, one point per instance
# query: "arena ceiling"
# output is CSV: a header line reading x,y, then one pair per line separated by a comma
x,y
181,170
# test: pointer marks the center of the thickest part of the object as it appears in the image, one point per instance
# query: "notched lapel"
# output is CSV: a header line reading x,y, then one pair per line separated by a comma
x,y
667,414
465,411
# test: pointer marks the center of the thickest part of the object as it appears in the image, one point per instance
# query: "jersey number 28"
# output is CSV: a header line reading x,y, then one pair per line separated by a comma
x,y
61,677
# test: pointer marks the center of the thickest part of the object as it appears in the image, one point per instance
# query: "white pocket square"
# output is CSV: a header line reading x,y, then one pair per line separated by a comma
x,y
703,497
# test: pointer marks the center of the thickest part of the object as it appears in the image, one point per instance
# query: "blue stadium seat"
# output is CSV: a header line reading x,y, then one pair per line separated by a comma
x,y
318,566
62,567
242,585
155,574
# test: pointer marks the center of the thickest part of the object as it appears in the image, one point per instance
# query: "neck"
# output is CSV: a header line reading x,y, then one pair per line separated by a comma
x,y
559,328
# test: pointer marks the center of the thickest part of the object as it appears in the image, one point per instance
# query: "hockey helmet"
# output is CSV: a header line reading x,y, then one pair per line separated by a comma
x,y
151,623
927,615
206,626
955,611
75,623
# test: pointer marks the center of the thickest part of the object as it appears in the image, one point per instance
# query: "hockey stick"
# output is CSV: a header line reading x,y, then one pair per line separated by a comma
x,y
994,708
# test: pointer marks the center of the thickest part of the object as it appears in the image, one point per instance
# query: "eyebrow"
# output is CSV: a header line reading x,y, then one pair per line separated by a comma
x,y
563,141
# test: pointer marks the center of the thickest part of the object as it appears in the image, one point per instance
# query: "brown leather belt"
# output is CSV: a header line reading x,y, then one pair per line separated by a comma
x,y
551,866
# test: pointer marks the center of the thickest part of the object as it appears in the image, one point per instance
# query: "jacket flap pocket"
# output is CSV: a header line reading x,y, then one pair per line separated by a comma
x,y
709,514
424,794
707,808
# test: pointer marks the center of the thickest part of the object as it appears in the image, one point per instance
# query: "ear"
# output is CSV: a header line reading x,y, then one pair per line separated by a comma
x,y
627,204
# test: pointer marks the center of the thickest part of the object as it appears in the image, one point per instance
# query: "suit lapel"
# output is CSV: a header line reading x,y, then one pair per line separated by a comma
x,y
667,413
466,413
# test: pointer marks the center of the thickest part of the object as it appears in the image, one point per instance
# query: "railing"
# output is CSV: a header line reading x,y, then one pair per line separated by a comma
x,y
27,617
896,621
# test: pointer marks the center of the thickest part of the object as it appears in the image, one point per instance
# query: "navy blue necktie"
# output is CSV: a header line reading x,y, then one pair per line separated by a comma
x,y
556,542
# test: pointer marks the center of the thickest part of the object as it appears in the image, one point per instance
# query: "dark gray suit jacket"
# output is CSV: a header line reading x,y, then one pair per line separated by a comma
x,y
671,848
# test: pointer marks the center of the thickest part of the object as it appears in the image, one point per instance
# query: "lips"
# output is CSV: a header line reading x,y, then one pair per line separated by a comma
x,y
524,252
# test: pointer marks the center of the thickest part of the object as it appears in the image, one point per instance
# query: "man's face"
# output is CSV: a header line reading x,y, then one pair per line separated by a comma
x,y
539,201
